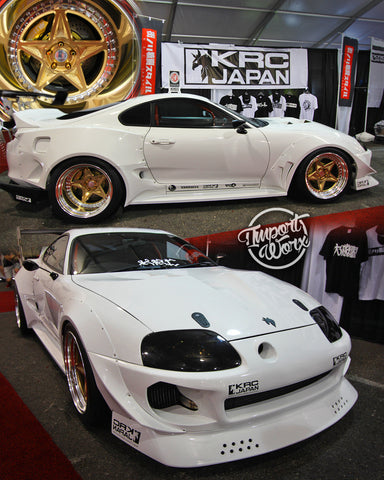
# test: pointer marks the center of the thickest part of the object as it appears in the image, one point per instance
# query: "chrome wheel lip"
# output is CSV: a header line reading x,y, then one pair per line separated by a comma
x,y
113,77
339,183
17,311
72,359
74,206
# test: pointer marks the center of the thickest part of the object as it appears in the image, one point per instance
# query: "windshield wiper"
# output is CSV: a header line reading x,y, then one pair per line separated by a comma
x,y
199,264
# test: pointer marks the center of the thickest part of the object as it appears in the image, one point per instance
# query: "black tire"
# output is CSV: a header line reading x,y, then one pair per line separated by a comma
x,y
86,397
20,316
85,190
323,176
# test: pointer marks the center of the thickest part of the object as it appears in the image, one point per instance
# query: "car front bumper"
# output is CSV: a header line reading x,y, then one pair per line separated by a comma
x,y
264,434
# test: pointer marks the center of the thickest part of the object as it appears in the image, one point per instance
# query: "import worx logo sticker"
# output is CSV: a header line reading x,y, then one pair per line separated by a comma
x,y
277,245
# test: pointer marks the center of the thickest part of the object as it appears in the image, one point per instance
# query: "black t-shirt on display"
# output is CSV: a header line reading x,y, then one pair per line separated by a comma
x,y
232,102
264,105
344,250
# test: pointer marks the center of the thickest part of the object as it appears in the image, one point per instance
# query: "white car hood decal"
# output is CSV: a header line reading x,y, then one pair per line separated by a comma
x,y
237,304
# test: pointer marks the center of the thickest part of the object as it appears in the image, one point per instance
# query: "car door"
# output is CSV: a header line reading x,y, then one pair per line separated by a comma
x,y
194,142
49,285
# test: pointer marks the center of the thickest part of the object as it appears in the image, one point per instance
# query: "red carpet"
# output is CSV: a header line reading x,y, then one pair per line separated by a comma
x,y
7,301
26,450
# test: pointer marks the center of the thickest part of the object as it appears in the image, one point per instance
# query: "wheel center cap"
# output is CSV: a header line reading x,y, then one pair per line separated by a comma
x,y
61,55
92,184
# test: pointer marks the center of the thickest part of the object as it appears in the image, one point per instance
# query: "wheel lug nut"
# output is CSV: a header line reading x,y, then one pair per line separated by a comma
x,y
68,66
61,44
53,65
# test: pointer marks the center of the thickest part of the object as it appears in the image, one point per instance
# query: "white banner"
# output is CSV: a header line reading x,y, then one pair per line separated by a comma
x,y
231,67
376,74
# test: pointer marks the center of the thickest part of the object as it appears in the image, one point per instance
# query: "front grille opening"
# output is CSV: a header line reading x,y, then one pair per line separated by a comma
x,y
163,395
245,400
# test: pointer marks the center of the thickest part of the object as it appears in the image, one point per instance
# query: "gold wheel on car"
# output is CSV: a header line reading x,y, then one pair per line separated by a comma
x,y
76,372
327,175
85,190
91,49
86,397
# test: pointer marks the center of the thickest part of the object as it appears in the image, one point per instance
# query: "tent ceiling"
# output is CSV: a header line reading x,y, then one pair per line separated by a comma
x,y
269,23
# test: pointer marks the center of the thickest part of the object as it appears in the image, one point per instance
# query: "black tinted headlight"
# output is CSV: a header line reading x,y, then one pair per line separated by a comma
x,y
188,351
327,323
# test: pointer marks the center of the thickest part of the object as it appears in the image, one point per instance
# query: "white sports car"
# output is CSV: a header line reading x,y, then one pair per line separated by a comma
x,y
198,363
175,148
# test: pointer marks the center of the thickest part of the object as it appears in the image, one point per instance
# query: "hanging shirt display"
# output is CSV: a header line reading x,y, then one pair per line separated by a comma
x,y
249,105
308,105
264,105
372,271
232,102
292,106
279,105
344,250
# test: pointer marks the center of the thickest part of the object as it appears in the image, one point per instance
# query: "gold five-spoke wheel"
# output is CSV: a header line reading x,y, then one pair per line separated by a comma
x,y
81,382
85,189
88,48
75,371
327,175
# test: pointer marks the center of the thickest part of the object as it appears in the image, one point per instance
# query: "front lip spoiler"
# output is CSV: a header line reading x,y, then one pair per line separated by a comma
x,y
22,192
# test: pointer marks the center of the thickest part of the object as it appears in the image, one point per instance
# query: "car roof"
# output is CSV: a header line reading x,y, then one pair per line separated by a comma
x,y
131,102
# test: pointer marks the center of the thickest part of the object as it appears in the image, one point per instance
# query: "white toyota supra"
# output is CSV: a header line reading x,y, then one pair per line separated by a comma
x,y
199,364
175,148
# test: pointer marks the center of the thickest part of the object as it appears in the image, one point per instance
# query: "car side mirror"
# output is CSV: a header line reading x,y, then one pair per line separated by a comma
x,y
32,266
239,126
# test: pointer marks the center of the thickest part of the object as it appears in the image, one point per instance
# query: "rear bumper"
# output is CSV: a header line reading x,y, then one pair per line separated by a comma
x,y
22,192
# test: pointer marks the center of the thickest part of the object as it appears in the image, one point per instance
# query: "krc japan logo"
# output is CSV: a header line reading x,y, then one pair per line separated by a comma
x,y
276,246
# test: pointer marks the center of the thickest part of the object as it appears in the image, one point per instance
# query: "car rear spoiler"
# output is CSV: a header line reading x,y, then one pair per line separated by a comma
x,y
9,96
59,97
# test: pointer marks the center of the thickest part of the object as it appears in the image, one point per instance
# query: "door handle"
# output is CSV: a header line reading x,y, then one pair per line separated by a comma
x,y
162,141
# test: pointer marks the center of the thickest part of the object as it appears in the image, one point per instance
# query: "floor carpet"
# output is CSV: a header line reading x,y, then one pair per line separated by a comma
x,y
7,301
27,452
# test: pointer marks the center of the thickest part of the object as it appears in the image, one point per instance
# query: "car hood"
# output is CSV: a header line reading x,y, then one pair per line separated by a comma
x,y
236,304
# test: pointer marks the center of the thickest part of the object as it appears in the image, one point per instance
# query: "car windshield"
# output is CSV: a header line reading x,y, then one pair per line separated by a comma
x,y
127,251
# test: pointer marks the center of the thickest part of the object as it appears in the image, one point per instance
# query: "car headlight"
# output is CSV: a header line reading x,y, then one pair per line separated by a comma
x,y
188,351
327,323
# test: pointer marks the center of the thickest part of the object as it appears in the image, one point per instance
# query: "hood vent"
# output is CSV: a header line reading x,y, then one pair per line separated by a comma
x,y
200,319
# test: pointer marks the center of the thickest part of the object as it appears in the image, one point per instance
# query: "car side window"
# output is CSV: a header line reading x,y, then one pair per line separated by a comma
x,y
54,255
189,113
139,116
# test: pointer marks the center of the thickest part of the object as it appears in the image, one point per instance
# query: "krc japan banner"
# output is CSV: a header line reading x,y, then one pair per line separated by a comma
x,y
226,66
